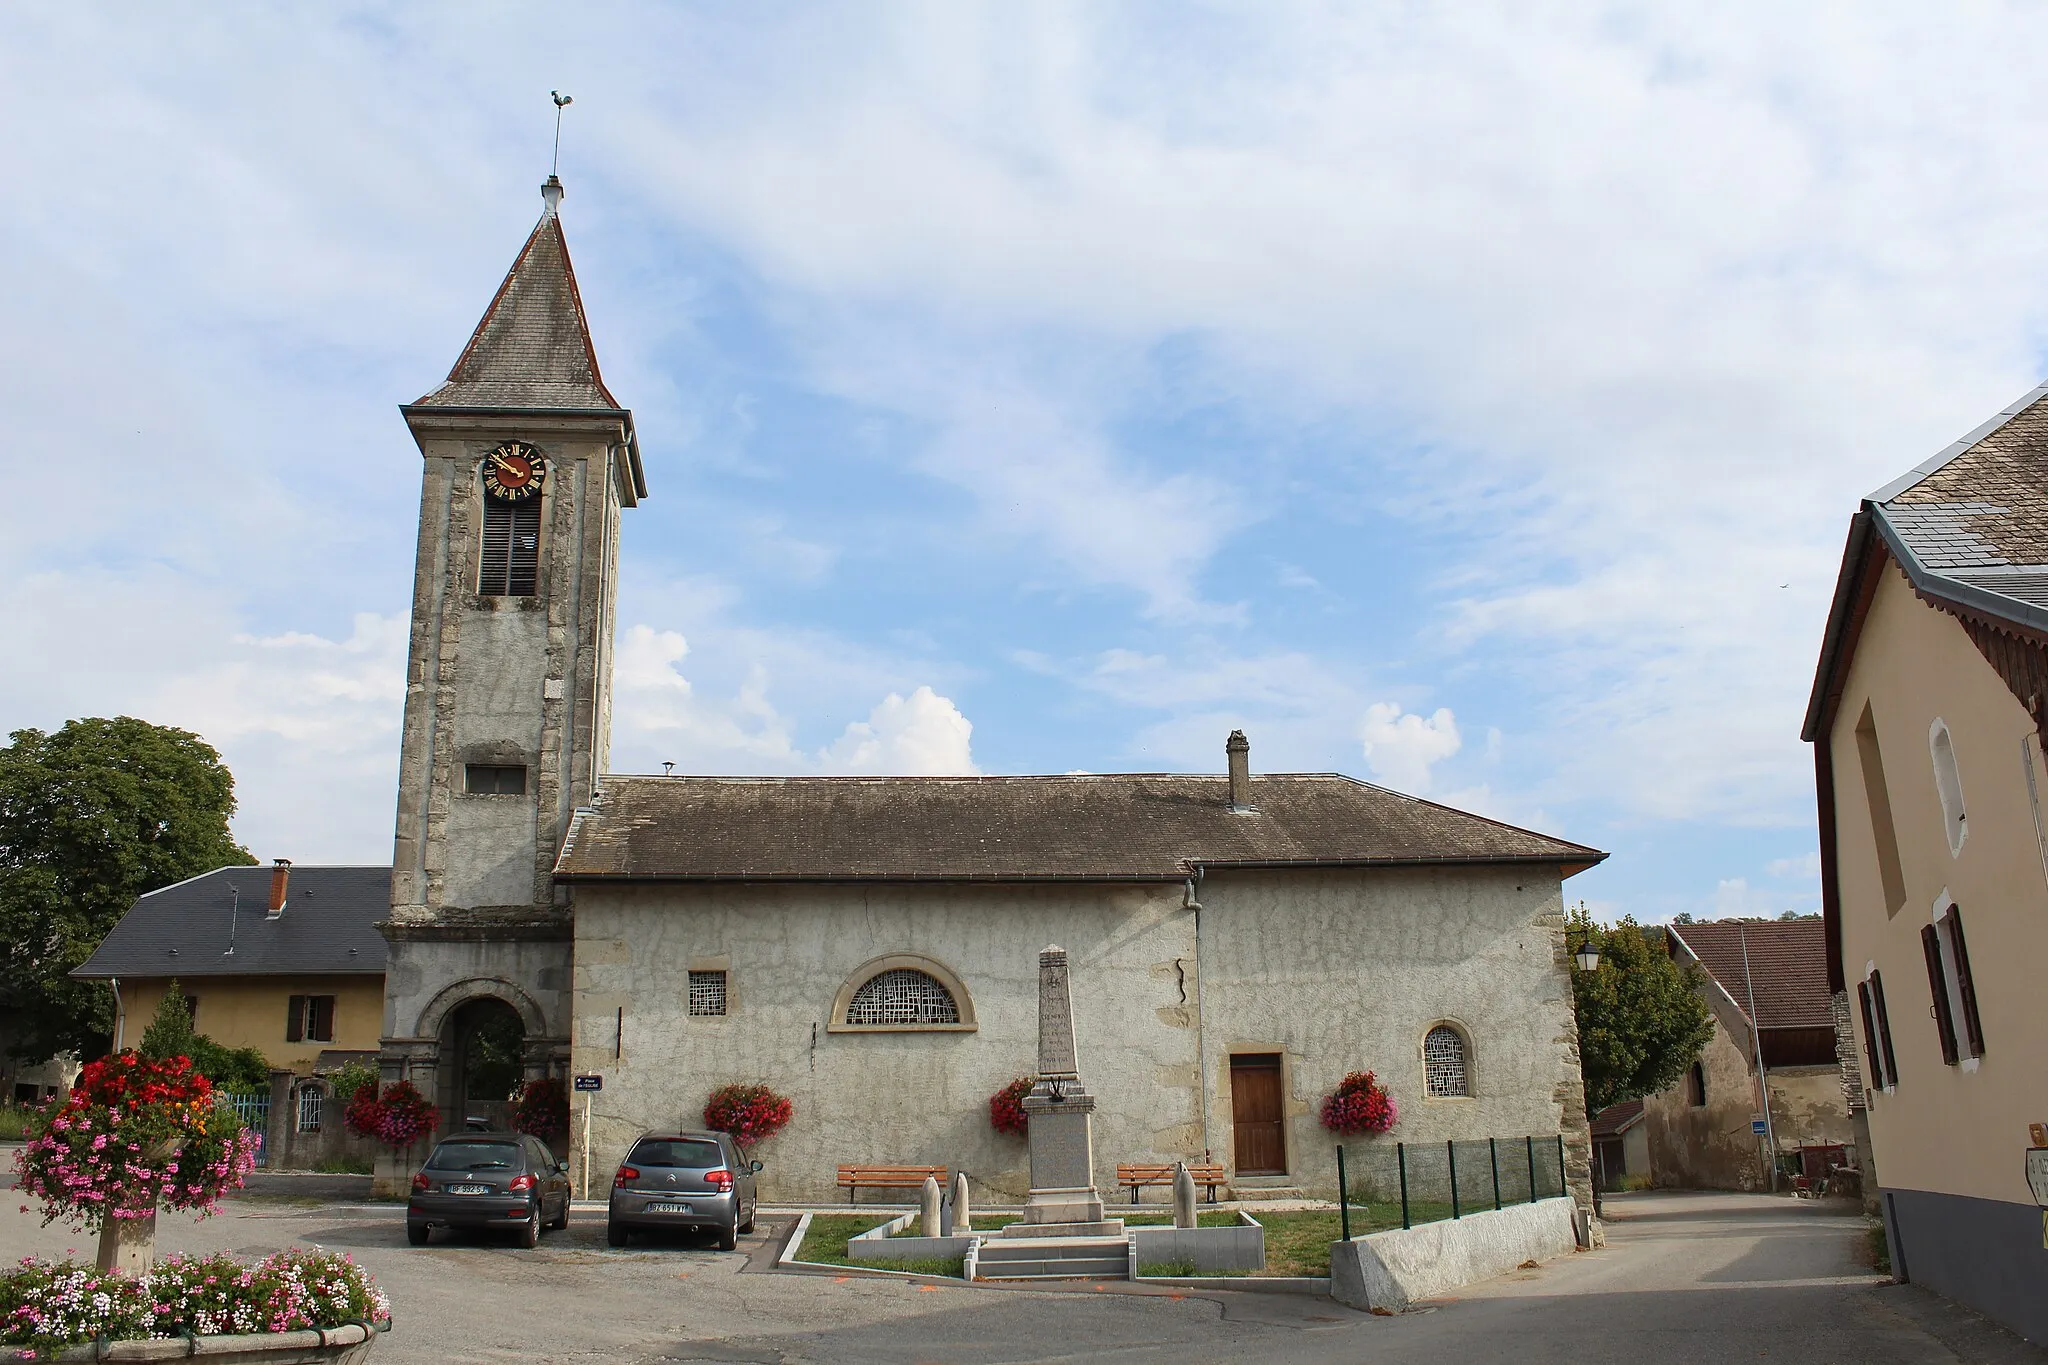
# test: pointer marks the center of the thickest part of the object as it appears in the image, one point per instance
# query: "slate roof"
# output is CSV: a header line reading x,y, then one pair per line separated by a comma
x,y
1617,1119
1788,967
532,349
1117,827
329,926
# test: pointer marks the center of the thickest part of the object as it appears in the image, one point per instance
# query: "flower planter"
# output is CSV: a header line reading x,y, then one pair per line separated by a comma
x,y
341,1345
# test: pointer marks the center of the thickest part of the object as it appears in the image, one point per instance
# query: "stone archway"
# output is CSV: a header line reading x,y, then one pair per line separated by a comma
x,y
483,1045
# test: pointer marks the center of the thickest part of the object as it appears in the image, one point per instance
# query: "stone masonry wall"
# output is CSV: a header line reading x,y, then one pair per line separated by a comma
x,y
1336,971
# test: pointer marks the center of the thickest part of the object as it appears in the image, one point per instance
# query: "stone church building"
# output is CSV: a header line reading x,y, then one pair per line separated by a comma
x,y
868,947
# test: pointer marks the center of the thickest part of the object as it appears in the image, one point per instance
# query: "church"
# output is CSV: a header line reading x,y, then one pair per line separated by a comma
x,y
868,947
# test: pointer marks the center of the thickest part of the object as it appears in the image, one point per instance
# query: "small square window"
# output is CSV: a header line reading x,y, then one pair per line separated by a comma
x,y
707,992
488,779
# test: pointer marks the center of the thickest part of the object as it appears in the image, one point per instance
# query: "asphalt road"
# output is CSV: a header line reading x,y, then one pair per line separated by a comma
x,y
1684,1278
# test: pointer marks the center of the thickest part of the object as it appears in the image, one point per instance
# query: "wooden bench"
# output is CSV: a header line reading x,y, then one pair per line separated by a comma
x,y
852,1178
1136,1175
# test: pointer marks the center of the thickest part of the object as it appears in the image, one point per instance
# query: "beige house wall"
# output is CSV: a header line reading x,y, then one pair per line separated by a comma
x,y
249,1011
1950,1129
1708,1148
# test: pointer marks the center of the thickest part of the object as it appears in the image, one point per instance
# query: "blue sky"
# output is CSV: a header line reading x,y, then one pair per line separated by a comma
x,y
1461,398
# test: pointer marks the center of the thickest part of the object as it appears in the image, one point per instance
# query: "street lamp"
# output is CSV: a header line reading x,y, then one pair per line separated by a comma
x,y
1588,957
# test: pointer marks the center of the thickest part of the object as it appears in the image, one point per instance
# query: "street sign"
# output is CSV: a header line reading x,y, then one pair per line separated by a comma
x,y
2037,1174
590,1082
1758,1127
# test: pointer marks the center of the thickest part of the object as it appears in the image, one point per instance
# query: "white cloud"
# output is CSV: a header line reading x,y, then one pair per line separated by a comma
x,y
922,735
1805,868
1403,746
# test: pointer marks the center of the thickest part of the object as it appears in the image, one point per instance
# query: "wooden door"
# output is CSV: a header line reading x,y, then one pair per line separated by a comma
x,y
1255,1114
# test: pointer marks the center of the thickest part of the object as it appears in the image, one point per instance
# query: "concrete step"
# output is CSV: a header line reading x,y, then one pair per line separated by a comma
x,y
1248,1194
1102,1269
1050,1248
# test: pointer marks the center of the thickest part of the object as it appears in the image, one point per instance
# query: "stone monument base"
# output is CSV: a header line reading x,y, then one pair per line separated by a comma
x,y
1105,1227
1062,1204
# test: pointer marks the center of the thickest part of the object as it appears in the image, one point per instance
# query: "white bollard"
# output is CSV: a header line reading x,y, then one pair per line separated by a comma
x,y
963,1218
1183,1195
930,1219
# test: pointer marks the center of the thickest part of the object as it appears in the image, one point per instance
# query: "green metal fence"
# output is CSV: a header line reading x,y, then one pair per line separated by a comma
x,y
1432,1181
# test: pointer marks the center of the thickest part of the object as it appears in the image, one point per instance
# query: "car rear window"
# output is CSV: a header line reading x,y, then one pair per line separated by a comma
x,y
474,1156
694,1155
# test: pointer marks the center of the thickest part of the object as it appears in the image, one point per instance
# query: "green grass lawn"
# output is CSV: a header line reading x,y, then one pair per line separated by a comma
x,y
1298,1243
826,1238
13,1122
995,1222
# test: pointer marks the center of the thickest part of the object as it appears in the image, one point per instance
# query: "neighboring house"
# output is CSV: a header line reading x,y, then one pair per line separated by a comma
x,y
1927,720
284,960
25,1082
869,946
1621,1144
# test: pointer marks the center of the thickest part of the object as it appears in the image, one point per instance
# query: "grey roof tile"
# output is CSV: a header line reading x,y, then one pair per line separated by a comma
x,y
1085,828
329,926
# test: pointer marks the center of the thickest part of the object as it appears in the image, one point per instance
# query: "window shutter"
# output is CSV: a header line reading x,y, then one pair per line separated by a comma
x,y
295,1019
320,1025
497,547
1870,1052
1937,984
1973,1026
522,568
1884,1028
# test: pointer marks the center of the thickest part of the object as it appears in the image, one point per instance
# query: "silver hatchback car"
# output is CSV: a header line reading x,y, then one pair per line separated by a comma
x,y
683,1180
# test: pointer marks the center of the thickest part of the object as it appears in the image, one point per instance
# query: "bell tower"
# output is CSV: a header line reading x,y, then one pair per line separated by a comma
x,y
528,462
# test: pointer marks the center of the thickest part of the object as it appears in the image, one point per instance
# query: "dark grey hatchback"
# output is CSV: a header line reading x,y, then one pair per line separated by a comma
x,y
683,1180
503,1181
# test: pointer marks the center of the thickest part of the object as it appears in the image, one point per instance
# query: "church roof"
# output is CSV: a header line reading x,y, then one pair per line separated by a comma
x,y
1118,827
532,349
328,926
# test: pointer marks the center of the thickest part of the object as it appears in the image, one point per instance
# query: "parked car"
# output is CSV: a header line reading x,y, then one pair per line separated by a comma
x,y
507,1181
683,1180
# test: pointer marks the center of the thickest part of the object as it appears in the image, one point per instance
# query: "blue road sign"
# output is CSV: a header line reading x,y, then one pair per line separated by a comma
x,y
597,1083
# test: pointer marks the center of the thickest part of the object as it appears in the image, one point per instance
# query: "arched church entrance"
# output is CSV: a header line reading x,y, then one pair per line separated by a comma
x,y
482,1044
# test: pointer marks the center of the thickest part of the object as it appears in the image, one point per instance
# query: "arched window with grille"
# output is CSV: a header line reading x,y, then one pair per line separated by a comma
x,y
1446,1062
902,993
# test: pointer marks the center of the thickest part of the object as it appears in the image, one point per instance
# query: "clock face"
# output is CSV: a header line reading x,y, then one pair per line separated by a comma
x,y
514,470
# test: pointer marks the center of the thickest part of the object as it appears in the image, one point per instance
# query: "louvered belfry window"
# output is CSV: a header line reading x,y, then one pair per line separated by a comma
x,y
511,557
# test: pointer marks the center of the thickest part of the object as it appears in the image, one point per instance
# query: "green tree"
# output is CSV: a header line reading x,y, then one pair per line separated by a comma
x,y
92,816
170,1029
1642,1018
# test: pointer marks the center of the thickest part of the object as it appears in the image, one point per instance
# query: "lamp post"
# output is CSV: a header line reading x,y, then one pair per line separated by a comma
x,y
1588,957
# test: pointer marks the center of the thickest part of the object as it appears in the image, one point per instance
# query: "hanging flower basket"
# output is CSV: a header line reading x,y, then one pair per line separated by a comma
x,y
1359,1105
751,1113
398,1117
1006,1108
136,1135
542,1109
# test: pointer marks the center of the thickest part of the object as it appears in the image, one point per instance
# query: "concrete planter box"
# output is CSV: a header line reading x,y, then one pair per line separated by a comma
x,y
1390,1270
1209,1249
881,1244
342,1345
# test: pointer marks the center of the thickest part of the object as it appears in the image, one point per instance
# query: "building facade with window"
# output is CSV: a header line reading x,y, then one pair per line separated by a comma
x,y
1927,720
1773,1058
868,948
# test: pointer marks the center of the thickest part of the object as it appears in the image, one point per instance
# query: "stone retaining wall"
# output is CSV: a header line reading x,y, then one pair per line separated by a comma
x,y
1392,1269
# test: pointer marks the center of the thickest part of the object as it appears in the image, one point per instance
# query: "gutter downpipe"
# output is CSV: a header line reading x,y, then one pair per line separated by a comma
x,y
120,1012
1194,889
1763,1080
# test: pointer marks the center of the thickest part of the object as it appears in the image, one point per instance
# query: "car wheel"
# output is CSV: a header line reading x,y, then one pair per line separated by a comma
x,y
748,1226
615,1235
529,1235
416,1234
729,1236
562,1219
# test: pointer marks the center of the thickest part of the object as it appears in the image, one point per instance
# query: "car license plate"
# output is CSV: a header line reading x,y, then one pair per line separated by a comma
x,y
468,1189
670,1208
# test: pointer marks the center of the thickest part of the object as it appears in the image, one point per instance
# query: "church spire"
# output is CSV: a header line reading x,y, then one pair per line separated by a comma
x,y
532,350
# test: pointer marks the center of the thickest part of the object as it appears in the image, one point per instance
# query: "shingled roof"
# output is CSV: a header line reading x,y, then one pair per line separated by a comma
x,y
328,927
532,350
1119,827
1787,967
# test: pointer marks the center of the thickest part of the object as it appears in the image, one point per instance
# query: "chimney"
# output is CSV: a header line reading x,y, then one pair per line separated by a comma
x,y
280,879
1238,750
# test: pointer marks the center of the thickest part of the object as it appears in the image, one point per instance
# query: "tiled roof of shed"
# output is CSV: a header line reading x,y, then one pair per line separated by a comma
x,y
1128,826
1787,967
1617,1119
329,926
532,349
